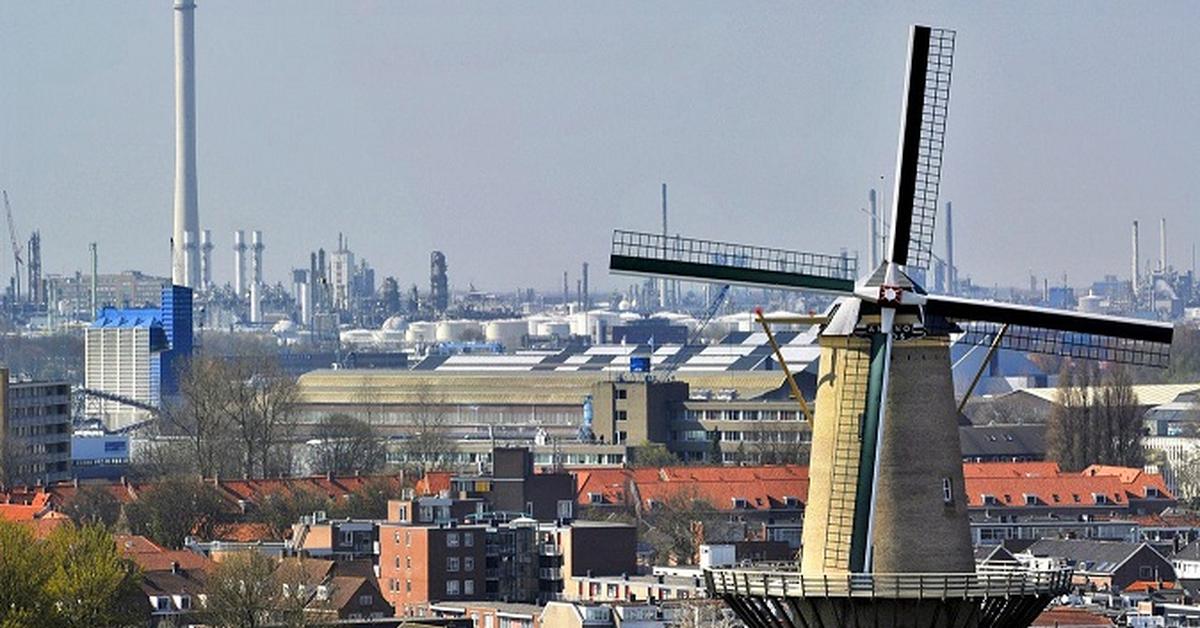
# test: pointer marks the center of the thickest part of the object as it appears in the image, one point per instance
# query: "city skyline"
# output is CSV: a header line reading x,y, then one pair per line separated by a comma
x,y
490,134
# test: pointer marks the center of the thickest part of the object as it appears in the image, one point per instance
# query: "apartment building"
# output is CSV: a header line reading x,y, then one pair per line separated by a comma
x,y
35,431
418,564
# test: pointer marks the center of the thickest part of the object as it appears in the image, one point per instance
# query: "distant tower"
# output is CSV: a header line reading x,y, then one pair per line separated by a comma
x,y
95,266
1134,270
587,299
206,249
1162,245
664,284
185,268
873,231
239,263
256,259
439,283
951,269
37,289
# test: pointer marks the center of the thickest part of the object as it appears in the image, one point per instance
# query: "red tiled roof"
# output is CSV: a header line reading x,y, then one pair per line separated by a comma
x,y
153,557
1010,469
762,487
1148,585
434,483
1071,617
766,486
245,532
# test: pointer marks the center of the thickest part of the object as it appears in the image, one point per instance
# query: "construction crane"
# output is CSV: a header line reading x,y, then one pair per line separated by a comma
x,y
672,362
16,247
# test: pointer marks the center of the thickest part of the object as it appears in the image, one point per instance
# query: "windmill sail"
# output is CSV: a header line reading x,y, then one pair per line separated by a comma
x,y
922,139
1057,332
650,254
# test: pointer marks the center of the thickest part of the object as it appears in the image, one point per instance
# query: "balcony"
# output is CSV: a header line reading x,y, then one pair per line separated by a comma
x,y
550,549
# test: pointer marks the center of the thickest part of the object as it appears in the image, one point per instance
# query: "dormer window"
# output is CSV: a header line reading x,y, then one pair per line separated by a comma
x,y
1152,492
595,498
740,503
790,501
990,500
1100,498
1031,500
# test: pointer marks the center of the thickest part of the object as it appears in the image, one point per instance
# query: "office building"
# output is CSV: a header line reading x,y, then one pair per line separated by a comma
x,y
35,431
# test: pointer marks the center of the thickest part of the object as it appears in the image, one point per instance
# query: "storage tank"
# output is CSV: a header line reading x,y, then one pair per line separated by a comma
x,y
562,329
509,333
1090,304
532,322
395,323
420,331
457,331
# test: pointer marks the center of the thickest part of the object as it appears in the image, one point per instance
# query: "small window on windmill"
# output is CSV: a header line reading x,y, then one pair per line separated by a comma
x,y
947,491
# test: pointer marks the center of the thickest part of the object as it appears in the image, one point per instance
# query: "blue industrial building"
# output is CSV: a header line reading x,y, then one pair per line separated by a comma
x,y
136,353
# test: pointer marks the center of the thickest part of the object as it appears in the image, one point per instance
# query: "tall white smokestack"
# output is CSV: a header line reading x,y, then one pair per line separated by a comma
x,y
663,300
256,248
239,263
185,267
1162,244
206,248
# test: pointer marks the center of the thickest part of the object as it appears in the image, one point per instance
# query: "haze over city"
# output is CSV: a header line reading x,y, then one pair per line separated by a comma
x,y
515,138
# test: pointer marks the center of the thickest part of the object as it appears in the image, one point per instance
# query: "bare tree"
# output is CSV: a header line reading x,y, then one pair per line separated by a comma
x,y
1095,419
346,445
200,417
250,589
429,444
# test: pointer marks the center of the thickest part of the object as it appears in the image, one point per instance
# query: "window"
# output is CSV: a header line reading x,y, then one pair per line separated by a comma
x,y
740,502
408,586
397,562
451,563
1031,500
396,537
452,587
468,539
622,393
947,491
1145,572
408,539
347,537
566,508
622,415
426,513
468,587
366,600
595,498
469,563
452,539
408,562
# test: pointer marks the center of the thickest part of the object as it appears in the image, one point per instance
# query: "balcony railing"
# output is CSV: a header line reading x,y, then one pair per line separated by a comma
x,y
987,582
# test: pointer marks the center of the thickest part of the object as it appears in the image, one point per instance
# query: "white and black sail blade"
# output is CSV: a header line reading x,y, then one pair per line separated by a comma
x,y
1057,332
922,139
655,255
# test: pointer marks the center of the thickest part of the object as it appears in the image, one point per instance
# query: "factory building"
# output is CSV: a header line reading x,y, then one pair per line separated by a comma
x,y
134,355
35,431
130,289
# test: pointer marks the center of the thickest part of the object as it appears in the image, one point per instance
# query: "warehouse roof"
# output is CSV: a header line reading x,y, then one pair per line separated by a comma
x,y
499,387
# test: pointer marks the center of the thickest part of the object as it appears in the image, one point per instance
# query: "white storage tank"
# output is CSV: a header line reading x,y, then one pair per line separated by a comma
x,y
532,322
1091,304
395,323
509,333
562,329
457,331
420,332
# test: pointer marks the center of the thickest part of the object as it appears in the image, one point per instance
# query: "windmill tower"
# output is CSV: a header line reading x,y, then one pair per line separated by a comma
x,y
886,521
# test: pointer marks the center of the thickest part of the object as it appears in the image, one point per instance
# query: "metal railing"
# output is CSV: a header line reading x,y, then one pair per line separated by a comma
x,y
987,582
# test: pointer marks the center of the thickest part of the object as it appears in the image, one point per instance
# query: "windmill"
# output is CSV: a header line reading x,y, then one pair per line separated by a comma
x,y
886,489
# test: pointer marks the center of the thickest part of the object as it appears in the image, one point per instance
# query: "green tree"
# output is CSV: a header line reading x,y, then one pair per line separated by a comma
x,y
653,455
92,584
176,508
93,504
24,570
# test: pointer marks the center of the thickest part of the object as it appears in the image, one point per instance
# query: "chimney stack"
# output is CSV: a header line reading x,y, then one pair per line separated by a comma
x,y
206,248
185,269
239,263
1134,271
1162,245
256,250
587,299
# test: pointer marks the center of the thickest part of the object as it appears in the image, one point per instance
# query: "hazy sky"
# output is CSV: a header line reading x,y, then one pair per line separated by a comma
x,y
515,136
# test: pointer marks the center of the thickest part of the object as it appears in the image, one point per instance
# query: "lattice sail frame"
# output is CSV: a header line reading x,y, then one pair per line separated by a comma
x,y
931,146
1070,344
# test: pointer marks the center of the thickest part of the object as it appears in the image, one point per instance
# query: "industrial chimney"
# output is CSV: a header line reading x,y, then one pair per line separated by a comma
x,y
951,270
587,299
663,286
256,248
206,248
1134,267
185,268
239,263
1162,245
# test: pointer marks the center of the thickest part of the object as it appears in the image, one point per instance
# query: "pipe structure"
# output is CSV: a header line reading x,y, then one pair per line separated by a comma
x,y
185,270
